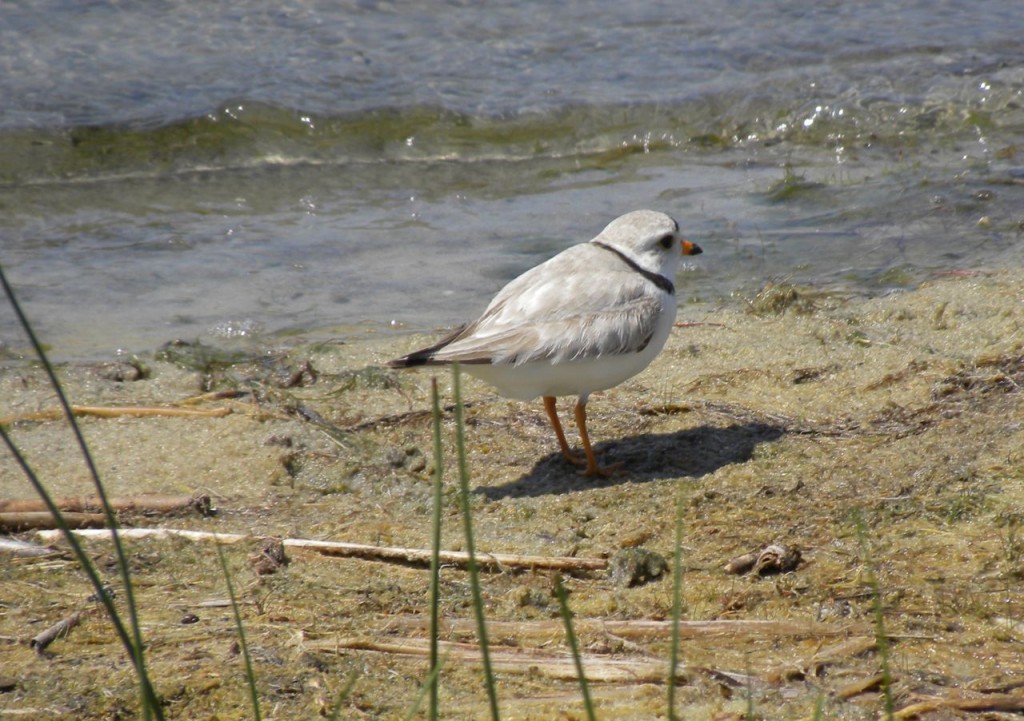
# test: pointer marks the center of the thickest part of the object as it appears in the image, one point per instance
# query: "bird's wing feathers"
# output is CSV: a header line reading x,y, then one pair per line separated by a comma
x,y
558,312
627,329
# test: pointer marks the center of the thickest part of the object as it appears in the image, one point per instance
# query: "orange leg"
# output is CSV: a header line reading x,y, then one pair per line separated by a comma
x,y
592,468
549,407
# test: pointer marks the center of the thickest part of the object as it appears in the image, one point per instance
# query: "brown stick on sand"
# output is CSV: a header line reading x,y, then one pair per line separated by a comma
x,y
142,504
457,558
29,520
358,550
137,533
991,702
53,414
57,630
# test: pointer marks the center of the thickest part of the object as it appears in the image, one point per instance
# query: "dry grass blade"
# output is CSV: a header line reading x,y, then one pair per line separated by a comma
x,y
600,668
646,629
23,549
846,649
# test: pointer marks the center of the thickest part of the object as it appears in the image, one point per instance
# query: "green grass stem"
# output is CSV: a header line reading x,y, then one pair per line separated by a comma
x,y
132,642
474,571
881,639
819,708
250,675
435,547
350,683
430,684
574,646
677,610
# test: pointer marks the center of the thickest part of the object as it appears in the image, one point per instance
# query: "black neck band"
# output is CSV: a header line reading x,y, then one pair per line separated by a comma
x,y
659,280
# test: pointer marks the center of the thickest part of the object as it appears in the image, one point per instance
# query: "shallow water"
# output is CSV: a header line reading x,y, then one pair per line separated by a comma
x,y
257,169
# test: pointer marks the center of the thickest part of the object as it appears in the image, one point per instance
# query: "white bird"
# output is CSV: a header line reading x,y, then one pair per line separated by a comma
x,y
584,321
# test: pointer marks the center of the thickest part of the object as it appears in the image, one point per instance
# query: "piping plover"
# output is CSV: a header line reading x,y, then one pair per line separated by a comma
x,y
584,321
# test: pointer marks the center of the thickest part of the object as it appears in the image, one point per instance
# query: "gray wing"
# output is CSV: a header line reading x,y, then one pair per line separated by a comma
x,y
581,304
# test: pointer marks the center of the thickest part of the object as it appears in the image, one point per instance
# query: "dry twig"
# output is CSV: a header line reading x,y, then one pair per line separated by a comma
x,y
58,630
29,520
142,504
872,683
54,414
993,702
495,561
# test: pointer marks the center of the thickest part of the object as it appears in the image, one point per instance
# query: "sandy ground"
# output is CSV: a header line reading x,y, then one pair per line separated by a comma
x,y
790,418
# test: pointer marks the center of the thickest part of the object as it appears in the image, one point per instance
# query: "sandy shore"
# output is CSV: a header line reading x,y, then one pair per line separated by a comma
x,y
779,422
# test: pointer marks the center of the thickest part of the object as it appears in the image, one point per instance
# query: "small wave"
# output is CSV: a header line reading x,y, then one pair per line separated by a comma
x,y
248,135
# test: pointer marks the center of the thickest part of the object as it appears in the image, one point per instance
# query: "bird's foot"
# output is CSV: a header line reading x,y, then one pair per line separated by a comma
x,y
574,459
592,469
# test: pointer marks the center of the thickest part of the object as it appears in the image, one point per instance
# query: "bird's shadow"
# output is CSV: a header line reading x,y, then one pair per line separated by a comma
x,y
693,452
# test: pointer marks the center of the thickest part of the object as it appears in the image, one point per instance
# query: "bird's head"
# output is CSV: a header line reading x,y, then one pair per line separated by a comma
x,y
650,239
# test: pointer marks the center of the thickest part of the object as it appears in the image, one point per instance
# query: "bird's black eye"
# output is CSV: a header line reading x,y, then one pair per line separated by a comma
x,y
666,241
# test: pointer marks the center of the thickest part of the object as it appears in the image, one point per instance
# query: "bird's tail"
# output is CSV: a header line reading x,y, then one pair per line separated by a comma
x,y
425,356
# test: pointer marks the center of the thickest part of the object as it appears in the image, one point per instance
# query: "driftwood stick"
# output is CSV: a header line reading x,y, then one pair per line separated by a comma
x,y
143,504
58,630
870,684
359,550
599,668
990,702
140,411
53,414
455,558
30,520
137,533
638,628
